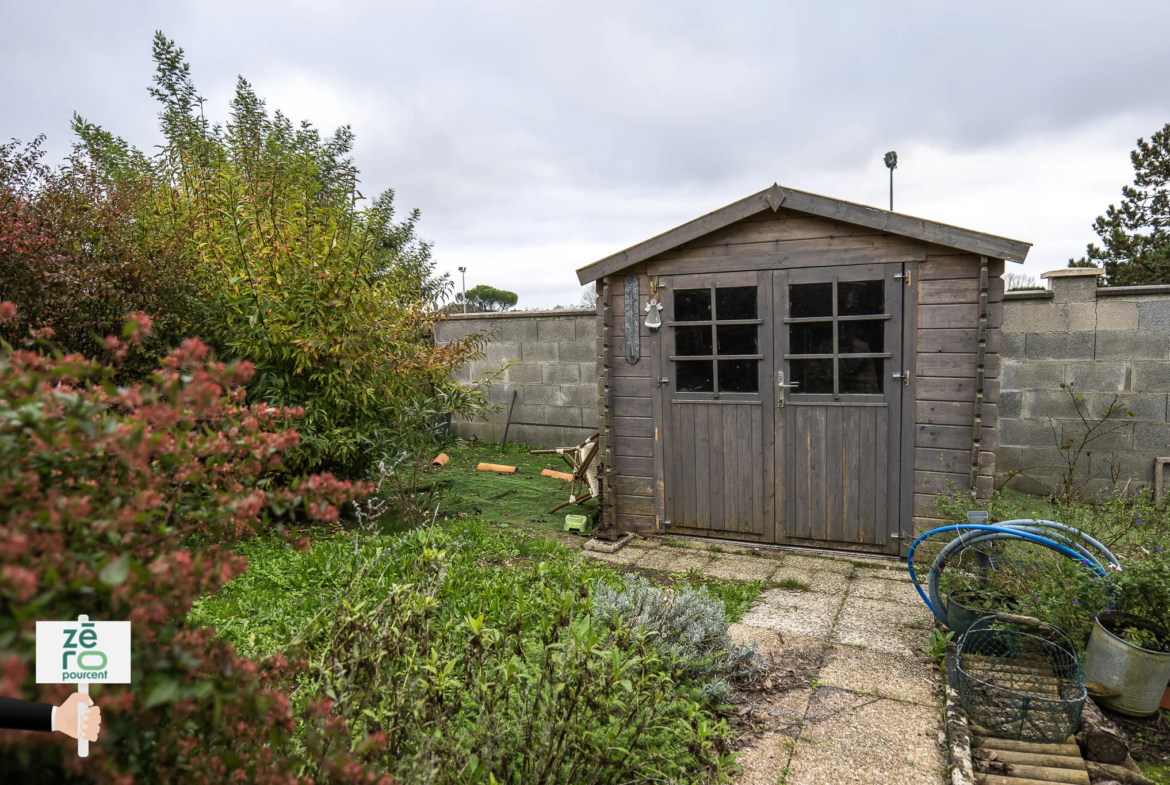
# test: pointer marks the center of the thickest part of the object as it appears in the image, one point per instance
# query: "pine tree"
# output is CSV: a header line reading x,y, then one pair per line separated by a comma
x,y
1136,235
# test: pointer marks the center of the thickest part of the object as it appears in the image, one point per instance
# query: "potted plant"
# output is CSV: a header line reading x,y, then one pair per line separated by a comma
x,y
964,606
1131,656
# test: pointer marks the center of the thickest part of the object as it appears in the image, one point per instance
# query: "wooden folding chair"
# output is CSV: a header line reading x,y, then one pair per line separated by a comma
x,y
581,460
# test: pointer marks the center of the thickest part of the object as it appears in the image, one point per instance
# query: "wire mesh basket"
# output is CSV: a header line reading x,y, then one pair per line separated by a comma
x,y
1020,678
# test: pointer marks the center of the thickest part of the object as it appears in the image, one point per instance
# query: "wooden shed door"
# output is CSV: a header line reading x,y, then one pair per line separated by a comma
x,y
716,400
839,342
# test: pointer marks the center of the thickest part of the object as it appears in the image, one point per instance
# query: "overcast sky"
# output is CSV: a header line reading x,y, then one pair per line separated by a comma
x,y
537,137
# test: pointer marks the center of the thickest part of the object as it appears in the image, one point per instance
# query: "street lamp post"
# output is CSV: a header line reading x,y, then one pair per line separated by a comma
x,y
892,164
463,272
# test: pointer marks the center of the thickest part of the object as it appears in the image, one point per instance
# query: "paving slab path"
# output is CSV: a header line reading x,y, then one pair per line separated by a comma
x,y
859,702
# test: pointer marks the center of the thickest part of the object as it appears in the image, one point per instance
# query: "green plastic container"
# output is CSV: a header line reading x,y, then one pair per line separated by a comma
x,y
578,523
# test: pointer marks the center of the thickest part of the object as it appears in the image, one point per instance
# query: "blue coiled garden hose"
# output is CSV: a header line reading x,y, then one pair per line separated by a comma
x,y
1028,530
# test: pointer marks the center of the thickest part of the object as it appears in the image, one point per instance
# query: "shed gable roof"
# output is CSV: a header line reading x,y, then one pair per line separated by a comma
x,y
802,201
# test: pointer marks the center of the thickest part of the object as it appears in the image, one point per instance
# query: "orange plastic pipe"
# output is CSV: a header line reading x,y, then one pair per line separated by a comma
x,y
559,475
441,459
495,467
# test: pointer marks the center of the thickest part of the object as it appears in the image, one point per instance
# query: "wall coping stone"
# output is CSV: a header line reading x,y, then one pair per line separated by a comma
x,y
456,317
1070,272
1029,294
1130,291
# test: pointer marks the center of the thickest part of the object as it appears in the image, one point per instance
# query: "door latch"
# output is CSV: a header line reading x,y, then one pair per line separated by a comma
x,y
663,380
906,276
904,376
782,396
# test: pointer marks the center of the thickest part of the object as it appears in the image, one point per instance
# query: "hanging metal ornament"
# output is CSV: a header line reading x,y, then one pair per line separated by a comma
x,y
633,337
653,314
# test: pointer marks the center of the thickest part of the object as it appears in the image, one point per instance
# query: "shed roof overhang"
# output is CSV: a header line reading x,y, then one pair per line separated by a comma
x,y
776,197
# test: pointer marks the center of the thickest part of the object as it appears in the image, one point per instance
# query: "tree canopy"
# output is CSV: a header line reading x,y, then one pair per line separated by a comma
x,y
1135,236
488,298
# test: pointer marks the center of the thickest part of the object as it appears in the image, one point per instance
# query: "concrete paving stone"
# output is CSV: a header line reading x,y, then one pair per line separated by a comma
x,y
893,571
764,759
827,563
626,555
785,709
909,678
891,627
672,559
683,561
856,740
805,613
774,643
824,581
884,589
740,568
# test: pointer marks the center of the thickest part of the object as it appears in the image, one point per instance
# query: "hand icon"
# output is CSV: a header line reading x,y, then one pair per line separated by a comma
x,y
65,719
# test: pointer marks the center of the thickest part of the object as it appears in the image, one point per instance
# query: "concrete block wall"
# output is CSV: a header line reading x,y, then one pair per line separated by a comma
x,y
553,373
1104,342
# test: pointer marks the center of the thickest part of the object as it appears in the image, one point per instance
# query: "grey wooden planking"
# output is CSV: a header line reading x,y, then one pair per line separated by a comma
x,y
958,340
950,412
634,446
624,406
955,389
627,485
785,247
955,365
939,459
958,315
633,466
956,290
951,437
787,258
812,204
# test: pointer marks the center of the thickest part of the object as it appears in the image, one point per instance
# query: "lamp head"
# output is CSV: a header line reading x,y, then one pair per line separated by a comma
x,y
462,269
892,159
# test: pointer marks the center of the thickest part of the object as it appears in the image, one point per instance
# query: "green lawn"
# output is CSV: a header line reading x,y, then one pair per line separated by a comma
x,y
521,498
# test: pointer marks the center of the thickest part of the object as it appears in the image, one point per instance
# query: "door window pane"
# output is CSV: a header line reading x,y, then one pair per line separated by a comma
x,y
813,376
737,339
861,337
861,376
692,305
810,299
860,298
694,376
739,376
811,338
736,302
692,340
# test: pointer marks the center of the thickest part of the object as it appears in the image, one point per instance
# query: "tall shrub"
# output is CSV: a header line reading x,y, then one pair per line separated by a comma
x,y
255,237
122,502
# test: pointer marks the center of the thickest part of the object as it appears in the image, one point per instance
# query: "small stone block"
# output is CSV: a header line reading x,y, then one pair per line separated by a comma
x,y
605,546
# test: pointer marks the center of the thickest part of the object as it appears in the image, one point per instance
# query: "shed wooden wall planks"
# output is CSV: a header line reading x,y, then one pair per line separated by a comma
x,y
945,340
632,384
947,344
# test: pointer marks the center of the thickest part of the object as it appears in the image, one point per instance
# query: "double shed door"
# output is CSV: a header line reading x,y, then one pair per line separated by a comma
x,y
781,396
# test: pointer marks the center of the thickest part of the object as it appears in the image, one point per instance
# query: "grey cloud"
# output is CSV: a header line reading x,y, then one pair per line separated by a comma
x,y
585,126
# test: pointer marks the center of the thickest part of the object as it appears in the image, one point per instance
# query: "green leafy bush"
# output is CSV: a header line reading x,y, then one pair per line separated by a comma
x,y
1062,591
255,238
459,654
122,502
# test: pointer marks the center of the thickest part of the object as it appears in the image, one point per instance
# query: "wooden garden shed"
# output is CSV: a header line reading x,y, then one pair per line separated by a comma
x,y
821,371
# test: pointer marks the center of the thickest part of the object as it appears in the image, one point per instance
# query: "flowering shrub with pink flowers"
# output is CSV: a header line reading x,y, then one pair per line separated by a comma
x,y
123,502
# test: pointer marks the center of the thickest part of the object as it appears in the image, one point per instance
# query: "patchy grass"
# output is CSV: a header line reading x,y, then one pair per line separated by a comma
x,y
522,498
1158,772
792,584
